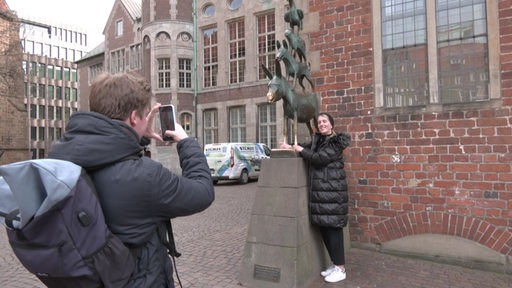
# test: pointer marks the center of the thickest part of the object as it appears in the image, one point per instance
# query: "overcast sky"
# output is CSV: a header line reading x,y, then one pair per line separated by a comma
x,y
88,16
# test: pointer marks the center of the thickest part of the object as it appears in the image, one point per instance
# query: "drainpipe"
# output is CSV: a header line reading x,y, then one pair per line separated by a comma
x,y
194,60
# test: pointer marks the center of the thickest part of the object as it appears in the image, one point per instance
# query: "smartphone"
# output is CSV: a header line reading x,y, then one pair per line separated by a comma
x,y
167,120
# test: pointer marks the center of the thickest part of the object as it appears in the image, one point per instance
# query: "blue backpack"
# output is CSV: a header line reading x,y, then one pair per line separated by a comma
x,y
56,226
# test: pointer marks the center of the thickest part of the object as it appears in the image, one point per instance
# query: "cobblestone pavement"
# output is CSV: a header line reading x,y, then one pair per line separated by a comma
x,y
212,244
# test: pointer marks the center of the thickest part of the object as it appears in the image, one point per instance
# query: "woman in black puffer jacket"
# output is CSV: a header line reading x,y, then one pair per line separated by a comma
x,y
328,201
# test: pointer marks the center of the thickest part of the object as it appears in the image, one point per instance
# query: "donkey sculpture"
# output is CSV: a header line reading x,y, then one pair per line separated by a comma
x,y
298,70
302,108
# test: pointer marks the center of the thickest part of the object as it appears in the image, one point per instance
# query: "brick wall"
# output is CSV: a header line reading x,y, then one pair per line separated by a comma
x,y
14,124
413,172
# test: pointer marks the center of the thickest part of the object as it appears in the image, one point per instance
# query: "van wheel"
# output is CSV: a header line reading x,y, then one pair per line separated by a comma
x,y
244,177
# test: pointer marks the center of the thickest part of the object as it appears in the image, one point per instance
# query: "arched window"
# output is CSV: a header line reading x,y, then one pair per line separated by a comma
x,y
186,121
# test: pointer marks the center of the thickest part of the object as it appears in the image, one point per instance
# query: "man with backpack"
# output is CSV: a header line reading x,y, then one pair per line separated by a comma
x,y
137,194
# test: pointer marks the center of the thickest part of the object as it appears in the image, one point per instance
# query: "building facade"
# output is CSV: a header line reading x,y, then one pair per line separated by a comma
x,y
50,79
222,66
422,86
424,89
14,124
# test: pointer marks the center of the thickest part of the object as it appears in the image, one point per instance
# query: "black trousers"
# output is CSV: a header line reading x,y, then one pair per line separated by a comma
x,y
333,241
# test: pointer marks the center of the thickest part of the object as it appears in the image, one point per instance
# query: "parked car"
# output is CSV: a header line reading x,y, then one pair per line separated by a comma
x,y
235,161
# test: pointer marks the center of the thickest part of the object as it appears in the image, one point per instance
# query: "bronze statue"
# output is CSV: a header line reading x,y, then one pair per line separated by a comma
x,y
298,70
297,44
294,16
300,105
302,108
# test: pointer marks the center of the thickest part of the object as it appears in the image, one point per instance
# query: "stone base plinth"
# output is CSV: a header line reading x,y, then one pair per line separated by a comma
x,y
282,249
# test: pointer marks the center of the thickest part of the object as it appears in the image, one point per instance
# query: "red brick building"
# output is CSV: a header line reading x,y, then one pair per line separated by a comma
x,y
424,87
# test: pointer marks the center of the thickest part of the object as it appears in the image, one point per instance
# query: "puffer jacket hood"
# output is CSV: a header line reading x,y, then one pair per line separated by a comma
x,y
328,186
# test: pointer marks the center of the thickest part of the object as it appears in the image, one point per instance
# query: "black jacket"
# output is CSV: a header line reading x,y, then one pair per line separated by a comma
x,y
137,195
328,199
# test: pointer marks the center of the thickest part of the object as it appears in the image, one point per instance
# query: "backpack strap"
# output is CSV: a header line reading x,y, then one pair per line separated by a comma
x,y
168,240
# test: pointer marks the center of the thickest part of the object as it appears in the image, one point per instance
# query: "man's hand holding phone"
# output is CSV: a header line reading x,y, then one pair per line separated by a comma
x,y
171,131
177,134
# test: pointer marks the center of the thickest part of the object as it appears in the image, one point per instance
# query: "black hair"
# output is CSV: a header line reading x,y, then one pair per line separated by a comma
x,y
331,120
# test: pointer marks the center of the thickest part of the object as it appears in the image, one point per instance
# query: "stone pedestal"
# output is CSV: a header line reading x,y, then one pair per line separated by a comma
x,y
283,249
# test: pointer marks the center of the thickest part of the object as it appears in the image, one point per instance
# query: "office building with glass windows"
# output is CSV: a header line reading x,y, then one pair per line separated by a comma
x,y
50,79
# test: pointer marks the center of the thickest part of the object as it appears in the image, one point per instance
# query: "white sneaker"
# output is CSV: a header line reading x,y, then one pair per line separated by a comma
x,y
336,276
328,271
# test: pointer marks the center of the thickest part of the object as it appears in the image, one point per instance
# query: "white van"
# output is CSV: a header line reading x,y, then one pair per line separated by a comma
x,y
235,161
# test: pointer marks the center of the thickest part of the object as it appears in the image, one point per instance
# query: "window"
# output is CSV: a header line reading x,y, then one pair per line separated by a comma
x,y
135,57
55,51
67,74
33,111
58,72
24,66
235,4
59,93
237,124
211,133
51,92
42,90
266,43
33,68
33,133
42,70
418,37
42,114
95,70
186,122
72,55
38,48
50,72
164,73
74,75
33,90
41,153
209,10
41,134
267,124
67,112
185,73
117,61
74,94
210,58
58,133
47,50
236,52
51,113
119,28
63,53
67,93
29,47
51,133
58,113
